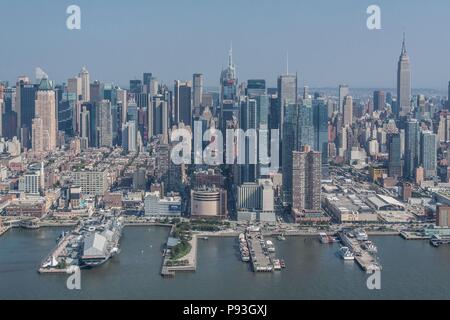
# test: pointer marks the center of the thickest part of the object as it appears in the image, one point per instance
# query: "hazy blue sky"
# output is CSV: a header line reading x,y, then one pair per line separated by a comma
x,y
328,41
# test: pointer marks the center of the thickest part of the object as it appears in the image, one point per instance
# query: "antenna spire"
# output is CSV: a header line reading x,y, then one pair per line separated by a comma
x,y
287,63
404,43
230,56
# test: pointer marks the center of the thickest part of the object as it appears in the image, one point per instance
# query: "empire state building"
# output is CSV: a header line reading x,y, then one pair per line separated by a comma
x,y
403,83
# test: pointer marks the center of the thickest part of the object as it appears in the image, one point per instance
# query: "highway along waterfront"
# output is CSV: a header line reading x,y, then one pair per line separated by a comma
x,y
411,270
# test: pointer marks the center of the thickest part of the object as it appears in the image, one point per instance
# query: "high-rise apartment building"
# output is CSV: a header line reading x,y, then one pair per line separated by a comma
x,y
85,85
46,110
306,181
104,123
428,153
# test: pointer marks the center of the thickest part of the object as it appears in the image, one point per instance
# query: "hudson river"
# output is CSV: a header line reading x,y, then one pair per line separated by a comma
x,y
411,270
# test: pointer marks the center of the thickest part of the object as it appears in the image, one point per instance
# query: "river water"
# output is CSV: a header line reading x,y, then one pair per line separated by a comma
x,y
411,270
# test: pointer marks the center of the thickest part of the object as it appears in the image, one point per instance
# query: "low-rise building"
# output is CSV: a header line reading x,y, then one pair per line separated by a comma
x,y
349,208
209,203
155,205
93,183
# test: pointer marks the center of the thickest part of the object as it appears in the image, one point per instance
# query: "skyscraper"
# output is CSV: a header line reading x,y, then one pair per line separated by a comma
x,y
305,125
197,92
46,110
306,181
343,92
182,104
74,87
122,102
320,114
159,117
348,111
411,149
256,87
85,85
287,94
379,100
403,83
448,96
96,94
25,106
135,86
147,83
395,156
129,136
248,120
104,123
85,128
290,133
37,140
228,80
428,153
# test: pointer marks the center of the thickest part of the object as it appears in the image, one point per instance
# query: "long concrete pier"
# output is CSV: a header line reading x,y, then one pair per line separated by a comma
x,y
367,261
260,261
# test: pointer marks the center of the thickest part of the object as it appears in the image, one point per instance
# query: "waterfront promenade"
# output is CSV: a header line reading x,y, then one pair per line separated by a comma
x,y
190,260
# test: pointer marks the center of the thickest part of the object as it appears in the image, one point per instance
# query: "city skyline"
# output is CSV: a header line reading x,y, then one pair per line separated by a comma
x,y
201,49
300,136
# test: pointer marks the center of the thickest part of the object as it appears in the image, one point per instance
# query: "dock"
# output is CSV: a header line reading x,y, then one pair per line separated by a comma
x,y
55,254
366,260
261,262
408,235
169,268
437,241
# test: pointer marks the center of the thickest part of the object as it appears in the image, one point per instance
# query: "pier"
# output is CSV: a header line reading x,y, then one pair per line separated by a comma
x,y
261,261
407,235
56,253
366,260
437,241
188,263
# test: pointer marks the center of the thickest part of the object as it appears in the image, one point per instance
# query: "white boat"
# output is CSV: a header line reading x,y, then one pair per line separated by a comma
x,y
370,247
323,238
276,265
346,254
361,235
51,263
270,246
